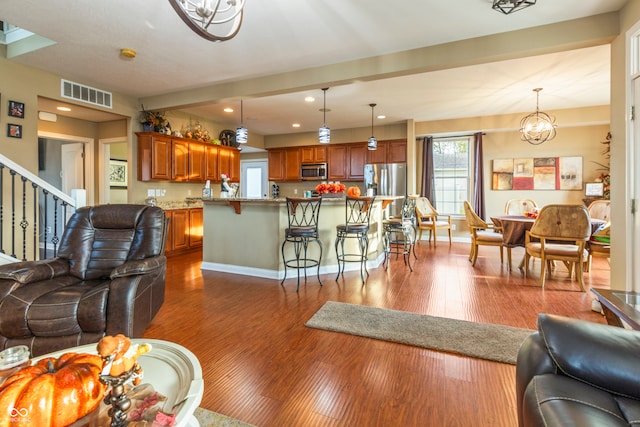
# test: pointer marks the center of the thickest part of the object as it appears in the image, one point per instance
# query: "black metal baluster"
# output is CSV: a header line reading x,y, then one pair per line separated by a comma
x,y
46,221
35,220
54,238
13,213
24,223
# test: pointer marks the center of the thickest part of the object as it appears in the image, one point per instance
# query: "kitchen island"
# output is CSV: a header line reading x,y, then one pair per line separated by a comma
x,y
244,236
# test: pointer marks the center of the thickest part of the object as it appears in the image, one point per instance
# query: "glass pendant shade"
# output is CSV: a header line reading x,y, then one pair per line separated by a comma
x,y
242,134
372,144
324,133
538,127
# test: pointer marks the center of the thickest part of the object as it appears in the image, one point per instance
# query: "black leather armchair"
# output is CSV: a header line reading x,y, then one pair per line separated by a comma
x,y
108,278
577,373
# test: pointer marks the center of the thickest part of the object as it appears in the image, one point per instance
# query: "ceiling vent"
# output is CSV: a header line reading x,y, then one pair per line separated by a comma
x,y
86,94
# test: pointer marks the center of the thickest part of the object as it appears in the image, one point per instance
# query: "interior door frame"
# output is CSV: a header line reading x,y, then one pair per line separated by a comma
x,y
88,159
103,167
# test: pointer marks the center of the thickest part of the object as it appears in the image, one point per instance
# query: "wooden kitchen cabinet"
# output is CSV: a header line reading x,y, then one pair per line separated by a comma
x,y
154,156
337,162
195,228
276,161
312,154
179,160
196,162
379,155
184,231
211,163
292,164
357,158
397,151
229,163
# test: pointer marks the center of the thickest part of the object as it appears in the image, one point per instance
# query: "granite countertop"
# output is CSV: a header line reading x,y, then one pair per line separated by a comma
x,y
180,204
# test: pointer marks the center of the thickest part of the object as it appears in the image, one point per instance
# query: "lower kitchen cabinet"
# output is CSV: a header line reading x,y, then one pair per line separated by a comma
x,y
184,232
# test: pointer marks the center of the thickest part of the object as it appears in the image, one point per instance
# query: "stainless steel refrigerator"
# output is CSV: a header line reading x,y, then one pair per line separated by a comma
x,y
387,179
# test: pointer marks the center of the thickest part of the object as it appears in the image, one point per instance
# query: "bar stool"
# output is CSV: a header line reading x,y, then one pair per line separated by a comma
x,y
399,233
356,226
303,216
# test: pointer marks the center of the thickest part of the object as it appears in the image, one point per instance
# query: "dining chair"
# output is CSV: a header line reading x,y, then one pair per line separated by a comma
x,y
482,234
599,244
519,206
399,234
562,232
429,219
600,209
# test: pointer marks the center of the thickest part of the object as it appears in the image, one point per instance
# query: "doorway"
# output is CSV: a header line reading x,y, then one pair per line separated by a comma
x,y
254,179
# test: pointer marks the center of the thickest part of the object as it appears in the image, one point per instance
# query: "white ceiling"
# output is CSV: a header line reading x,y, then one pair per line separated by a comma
x,y
279,36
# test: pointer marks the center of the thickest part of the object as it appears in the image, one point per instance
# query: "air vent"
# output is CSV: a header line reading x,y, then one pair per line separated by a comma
x,y
86,94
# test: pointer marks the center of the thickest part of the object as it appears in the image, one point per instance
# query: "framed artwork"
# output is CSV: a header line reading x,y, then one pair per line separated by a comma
x,y
16,109
540,173
117,173
14,131
594,189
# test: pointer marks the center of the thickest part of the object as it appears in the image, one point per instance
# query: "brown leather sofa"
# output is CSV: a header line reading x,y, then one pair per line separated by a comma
x,y
108,278
577,373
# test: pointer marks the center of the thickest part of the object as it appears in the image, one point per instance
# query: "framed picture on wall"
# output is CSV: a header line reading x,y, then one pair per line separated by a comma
x,y
594,189
117,173
16,109
14,131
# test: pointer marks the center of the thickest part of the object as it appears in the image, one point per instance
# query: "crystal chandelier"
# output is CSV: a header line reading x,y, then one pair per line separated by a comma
x,y
510,6
242,134
324,133
372,144
538,127
211,19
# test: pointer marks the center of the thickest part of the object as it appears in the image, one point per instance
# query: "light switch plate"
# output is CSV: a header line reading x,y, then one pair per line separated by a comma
x,y
151,193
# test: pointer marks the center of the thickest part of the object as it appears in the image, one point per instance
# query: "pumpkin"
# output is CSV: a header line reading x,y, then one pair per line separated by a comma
x,y
353,191
53,392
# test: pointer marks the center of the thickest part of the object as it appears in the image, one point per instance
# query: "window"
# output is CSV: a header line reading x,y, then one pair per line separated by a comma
x,y
451,162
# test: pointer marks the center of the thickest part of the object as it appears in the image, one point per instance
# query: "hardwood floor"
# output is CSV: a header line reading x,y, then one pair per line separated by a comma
x,y
263,366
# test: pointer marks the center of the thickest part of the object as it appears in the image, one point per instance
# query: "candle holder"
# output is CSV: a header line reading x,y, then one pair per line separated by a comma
x,y
117,398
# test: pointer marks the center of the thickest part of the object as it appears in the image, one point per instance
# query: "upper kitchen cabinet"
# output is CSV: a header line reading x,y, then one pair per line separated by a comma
x,y
229,162
357,158
162,157
154,156
276,165
292,164
313,154
396,151
179,160
337,162
211,163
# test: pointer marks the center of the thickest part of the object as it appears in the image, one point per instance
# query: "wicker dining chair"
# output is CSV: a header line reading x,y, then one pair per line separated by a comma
x,y
429,219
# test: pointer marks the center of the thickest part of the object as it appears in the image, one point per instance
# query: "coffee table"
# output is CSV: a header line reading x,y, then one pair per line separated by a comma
x,y
171,369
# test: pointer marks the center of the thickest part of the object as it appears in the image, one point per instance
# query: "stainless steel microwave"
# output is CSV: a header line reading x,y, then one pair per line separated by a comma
x,y
313,171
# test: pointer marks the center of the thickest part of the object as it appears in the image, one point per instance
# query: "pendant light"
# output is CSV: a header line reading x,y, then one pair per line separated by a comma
x,y
372,144
242,134
324,133
538,127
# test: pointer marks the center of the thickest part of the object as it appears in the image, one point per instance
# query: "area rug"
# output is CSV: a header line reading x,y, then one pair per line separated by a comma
x,y
481,340
208,418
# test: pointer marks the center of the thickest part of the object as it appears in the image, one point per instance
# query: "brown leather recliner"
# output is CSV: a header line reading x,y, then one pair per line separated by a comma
x,y
108,278
577,373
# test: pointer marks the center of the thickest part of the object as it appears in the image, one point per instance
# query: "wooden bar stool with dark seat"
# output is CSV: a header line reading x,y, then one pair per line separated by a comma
x,y
303,216
356,226
399,233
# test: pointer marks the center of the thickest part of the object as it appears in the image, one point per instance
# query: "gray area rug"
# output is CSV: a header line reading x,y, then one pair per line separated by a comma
x,y
208,418
481,340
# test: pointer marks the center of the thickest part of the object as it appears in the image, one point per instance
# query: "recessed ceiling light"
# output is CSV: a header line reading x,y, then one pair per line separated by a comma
x,y
309,99
63,108
295,125
228,110
381,116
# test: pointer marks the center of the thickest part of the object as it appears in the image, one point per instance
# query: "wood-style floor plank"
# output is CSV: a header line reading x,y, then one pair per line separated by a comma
x,y
263,366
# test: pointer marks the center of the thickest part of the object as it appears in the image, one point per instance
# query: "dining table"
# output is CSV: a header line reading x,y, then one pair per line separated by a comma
x,y
514,229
